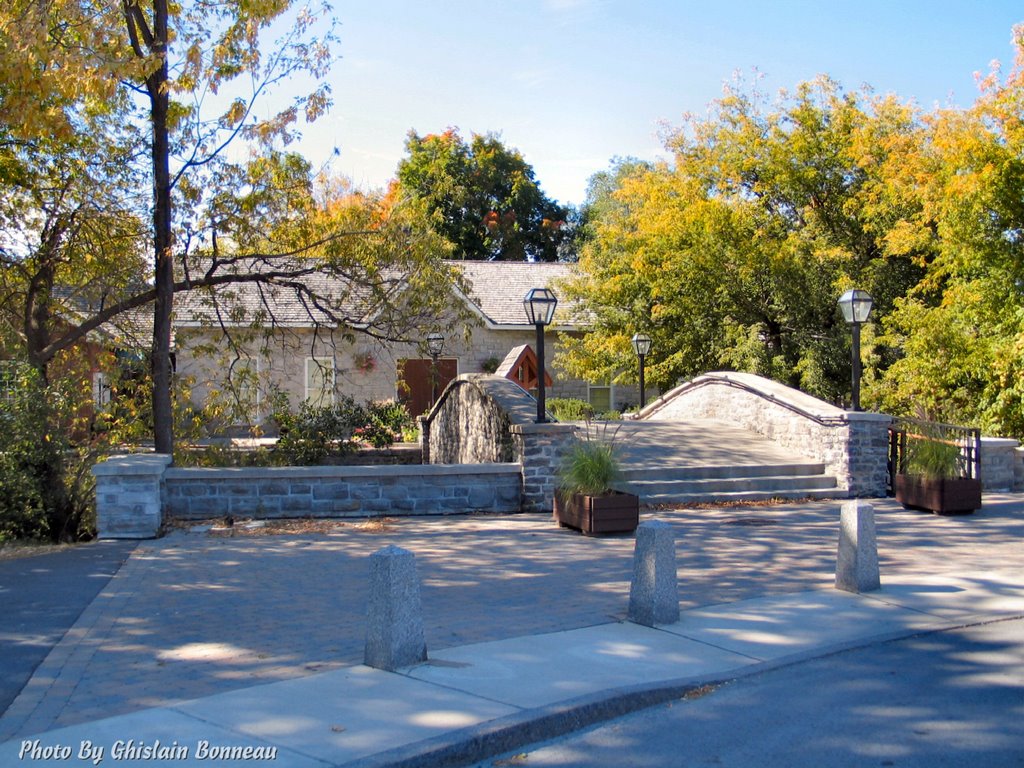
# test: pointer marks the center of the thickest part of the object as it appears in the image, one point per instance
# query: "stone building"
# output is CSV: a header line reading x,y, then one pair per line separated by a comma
x,y
310,359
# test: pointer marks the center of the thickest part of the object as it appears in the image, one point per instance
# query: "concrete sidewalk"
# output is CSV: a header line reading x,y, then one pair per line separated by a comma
x,y
470,702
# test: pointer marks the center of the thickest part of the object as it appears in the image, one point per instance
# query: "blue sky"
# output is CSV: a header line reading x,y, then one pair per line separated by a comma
x,y
575,83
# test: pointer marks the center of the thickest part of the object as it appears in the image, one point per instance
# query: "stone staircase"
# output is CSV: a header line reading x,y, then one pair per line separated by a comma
x,y
702,460
722,483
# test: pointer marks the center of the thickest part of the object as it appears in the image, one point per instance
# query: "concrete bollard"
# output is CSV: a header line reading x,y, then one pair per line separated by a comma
x,y
394,632
654,591
857,560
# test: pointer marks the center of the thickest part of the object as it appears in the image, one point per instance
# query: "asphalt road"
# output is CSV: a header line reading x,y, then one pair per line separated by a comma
x,y
41,597
946,699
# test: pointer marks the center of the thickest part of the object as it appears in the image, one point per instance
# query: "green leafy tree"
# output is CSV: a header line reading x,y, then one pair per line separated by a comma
x,y
961,328
483,197
104,104
199,67
733,255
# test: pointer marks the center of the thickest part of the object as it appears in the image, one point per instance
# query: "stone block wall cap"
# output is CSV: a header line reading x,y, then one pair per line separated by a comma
x,y
868,416
133,464
758,386
341,472
1000,442
548,428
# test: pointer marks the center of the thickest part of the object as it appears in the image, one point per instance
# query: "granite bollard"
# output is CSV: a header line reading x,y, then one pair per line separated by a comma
x,y
394,631
857,559
654,591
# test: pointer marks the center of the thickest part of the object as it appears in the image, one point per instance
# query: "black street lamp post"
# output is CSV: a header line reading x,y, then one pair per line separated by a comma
x,y
642,346
435,343
856,307
540,304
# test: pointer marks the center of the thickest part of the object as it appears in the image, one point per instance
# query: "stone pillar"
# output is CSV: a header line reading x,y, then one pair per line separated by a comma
x,y
857,560
997,465
866,455
129,496
394,631
654,591
540,448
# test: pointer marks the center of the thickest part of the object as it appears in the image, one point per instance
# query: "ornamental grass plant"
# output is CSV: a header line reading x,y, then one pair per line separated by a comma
x,y
591,466
933,458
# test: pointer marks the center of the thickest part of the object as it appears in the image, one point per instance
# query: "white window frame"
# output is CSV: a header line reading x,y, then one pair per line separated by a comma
x,y
611,393
102,390
322,364
248,365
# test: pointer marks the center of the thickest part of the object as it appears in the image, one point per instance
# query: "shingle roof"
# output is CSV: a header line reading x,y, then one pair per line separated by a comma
x,y
323,299
497,288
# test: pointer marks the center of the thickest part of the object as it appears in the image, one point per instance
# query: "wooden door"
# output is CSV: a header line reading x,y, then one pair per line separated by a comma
x,y
417,379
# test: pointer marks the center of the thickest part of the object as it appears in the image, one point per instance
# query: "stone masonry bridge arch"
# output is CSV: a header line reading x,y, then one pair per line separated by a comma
x,y
486,418
853,445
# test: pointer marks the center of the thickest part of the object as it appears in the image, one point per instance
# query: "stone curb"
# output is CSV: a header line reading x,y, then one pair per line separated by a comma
x,y
531,726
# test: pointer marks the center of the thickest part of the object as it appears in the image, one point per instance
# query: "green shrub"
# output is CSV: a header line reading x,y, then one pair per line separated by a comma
x,y
22,515
389,421
570,409
46,486
316,432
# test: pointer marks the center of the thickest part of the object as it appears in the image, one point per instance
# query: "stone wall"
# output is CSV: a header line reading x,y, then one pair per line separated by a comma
x,y
129,492
998,466
1018,469
471,421
282,492
539,449
136,493
482,417
852,445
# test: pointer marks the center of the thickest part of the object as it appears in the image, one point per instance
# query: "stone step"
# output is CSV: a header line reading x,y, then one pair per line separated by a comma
x,y
632,473
725,498
737,484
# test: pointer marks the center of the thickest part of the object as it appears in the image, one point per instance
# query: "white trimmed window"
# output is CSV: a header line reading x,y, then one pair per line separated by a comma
x,y
245,390
101,390
320,380
600,397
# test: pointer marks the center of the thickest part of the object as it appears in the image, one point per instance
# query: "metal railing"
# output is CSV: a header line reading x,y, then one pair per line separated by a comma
x,y
904,431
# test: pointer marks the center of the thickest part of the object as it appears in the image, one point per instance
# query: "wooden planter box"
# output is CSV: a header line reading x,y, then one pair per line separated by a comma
x,y
946,496
614,512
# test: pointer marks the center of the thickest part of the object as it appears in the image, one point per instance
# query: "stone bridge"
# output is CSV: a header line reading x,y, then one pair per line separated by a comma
x,y
719,437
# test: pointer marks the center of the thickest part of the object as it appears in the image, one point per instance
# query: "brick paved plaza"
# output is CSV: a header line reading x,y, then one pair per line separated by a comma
x,y
197,613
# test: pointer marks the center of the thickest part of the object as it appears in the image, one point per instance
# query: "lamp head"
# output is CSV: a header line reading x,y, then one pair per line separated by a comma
x,y
856,306
540,304
435,343
641,344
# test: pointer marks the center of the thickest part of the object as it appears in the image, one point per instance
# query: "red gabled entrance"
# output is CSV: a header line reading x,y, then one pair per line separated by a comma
x,y
520,365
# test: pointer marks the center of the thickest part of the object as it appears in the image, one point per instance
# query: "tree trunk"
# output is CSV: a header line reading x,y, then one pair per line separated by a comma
x,y
160,360
38,317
